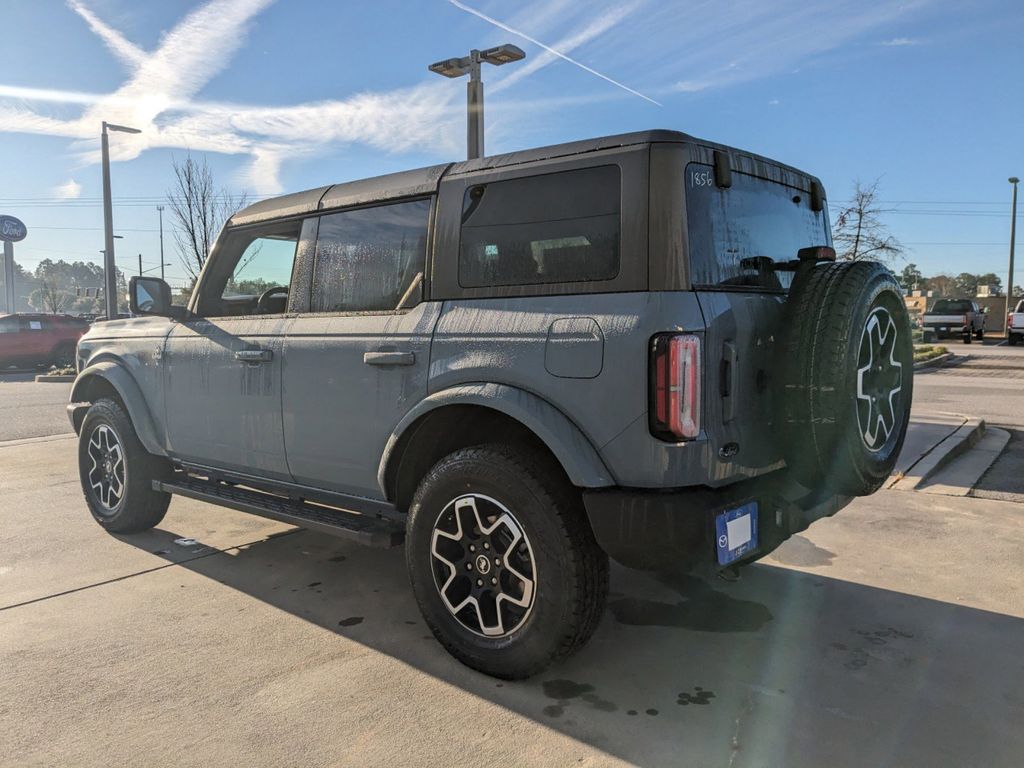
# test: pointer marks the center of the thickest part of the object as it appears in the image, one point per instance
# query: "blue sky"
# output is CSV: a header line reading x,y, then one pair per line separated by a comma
x,y
924,94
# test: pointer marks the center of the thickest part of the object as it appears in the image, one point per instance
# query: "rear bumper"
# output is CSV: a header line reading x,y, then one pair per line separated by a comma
x,y
675,529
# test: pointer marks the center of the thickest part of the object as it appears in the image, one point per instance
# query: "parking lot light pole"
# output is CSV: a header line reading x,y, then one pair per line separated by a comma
x,y
109,267
501,54
1013,236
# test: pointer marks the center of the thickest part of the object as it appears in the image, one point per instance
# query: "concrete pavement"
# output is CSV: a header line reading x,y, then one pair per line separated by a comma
x,y
887,635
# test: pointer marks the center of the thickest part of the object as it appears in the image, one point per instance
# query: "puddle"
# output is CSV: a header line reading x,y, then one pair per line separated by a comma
x,y
702,608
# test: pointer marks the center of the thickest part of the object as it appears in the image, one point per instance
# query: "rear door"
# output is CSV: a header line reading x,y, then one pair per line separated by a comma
x,y
357,360
734,235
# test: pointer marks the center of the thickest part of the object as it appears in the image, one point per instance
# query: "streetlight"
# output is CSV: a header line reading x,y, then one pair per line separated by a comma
x,y
501,54
1013,236
109,269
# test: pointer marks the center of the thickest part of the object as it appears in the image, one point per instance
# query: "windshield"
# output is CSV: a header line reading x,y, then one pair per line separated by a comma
x,y
729,227
945,305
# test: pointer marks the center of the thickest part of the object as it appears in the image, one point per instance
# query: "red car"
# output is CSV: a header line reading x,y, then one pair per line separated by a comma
x,y
37,339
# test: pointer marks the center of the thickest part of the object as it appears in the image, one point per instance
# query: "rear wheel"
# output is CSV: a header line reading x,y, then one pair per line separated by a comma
x,y
117,472
502,560
981,334
1011,339
967,338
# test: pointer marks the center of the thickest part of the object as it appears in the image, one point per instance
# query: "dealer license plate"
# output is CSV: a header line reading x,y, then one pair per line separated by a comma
x,y
736,533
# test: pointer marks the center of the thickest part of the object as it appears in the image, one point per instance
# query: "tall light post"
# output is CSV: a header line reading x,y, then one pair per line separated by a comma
x,y
160,210
1013,236
109,267
501,54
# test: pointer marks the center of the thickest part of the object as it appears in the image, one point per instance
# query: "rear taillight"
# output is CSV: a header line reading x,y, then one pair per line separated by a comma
x,y
675,386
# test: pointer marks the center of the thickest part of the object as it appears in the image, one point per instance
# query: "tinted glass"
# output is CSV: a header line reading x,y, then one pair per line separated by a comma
x,y
368,259
956,307
556,228
8,324
729,227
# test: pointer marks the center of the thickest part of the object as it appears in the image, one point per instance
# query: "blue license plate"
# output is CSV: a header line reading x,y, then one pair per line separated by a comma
x,y
736,533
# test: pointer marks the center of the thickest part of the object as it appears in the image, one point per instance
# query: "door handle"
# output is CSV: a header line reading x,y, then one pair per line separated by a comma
x,y
389,358
254,356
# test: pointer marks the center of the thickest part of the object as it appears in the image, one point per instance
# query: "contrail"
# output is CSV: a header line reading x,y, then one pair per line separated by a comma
x,y
549,49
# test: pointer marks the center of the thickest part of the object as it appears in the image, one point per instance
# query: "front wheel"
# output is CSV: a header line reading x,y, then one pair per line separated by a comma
x,y
503,563
117,472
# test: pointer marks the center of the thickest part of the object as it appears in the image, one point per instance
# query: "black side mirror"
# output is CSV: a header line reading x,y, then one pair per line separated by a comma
x,y
149,296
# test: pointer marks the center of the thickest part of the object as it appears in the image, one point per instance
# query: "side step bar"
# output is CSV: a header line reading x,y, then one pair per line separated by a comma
x,y
363,529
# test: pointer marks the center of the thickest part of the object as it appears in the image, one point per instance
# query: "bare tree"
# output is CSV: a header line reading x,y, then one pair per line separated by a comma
x,y
198,211
48,297
859,233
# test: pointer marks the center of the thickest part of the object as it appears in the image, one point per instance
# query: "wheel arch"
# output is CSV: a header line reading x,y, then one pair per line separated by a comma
x,y
437,426
108,378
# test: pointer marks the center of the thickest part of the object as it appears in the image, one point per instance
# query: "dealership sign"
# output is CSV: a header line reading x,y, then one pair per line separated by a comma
x,y
11,229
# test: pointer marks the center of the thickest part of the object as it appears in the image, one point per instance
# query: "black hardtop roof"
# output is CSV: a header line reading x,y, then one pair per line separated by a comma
x,y
422,181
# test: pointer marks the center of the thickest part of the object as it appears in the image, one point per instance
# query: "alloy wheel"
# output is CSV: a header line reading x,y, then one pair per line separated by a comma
x,y
107,474
879,380
483,565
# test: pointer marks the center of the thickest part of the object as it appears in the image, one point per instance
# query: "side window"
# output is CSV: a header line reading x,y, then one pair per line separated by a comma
x,y
370,259
9,324
252,272
556,228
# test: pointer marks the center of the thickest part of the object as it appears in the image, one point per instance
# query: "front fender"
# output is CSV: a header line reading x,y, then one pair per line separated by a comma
x,y
570,446
151,437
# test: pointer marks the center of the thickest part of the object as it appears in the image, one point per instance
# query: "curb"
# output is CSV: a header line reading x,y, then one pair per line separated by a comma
x,y
935,362
32,440
57,379
939,456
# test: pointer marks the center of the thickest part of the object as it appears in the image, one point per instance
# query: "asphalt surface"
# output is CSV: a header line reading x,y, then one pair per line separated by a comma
x,y
887,635
28,409
988,383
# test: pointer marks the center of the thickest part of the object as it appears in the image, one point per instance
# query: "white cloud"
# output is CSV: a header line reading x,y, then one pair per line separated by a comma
x,y
898,42
774,103
69,190
126,51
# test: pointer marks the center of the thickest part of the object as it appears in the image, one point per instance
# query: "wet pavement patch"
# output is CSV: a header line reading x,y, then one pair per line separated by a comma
x,y
315,584
564,691
351,621
699,697
802,552
703,609
652,712
336,559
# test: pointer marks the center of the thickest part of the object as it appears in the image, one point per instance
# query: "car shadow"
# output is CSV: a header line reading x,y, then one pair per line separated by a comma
x,y
782,668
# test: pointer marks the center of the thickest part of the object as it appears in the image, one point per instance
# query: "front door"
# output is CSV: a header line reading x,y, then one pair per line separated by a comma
x,y
223,366
358,361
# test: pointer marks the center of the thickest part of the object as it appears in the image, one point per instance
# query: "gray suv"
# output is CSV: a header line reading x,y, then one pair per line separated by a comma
x,y
638,346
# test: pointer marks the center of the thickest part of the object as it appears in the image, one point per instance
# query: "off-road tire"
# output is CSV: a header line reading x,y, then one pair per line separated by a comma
x,y
967,338
1011,339
839,433
138,507
571,571
980,334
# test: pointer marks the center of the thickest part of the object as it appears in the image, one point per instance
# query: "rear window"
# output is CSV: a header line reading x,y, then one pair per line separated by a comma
x,y
729,228
555,228
952,306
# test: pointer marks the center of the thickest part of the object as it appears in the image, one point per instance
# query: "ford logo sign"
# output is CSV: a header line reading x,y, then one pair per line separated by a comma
x,y
11,229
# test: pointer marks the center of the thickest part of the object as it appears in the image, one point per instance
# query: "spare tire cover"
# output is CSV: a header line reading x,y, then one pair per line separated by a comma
x,y
846,377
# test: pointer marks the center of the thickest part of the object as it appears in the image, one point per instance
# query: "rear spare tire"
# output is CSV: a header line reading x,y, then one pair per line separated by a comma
x,y
847,382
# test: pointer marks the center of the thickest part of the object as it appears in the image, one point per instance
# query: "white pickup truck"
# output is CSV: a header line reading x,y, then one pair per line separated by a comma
x,y
954,317
1015,324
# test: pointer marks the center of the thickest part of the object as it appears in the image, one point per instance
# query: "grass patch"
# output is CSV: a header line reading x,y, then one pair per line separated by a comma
x,y
67,370
924,352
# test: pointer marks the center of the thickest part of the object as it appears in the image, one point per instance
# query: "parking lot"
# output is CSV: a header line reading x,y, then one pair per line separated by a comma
x,y
887,635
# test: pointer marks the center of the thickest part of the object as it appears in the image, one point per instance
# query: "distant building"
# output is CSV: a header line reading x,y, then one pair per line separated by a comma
x,y
987,291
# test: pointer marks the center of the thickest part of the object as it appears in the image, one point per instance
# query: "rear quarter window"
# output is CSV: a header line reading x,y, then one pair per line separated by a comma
x,y
554,228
